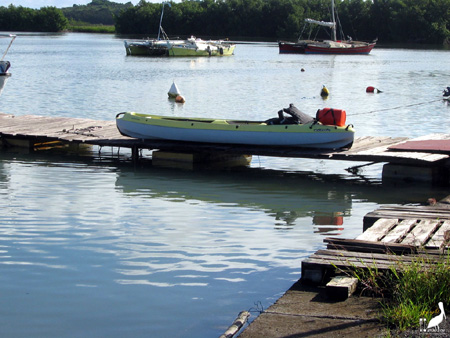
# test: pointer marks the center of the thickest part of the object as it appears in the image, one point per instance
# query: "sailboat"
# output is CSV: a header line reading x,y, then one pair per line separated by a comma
x,y
152,47
4,65
333,46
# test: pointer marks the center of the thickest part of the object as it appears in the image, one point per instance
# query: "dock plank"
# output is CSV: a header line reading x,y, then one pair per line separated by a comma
x,y
378,230
400,231
368,246
421,233
442,237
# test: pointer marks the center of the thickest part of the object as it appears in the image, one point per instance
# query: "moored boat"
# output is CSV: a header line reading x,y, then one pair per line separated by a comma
x,y
333,46
4,65
199,47
446,95
150,47
296,130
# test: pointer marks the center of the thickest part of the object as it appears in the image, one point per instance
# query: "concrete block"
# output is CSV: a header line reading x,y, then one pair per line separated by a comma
x,y
341,287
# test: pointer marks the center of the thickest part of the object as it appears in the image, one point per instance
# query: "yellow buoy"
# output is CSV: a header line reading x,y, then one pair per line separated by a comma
x,y
324,92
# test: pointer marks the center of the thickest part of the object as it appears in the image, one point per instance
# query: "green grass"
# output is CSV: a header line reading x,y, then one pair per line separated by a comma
x,y
409,290
84,27
92,29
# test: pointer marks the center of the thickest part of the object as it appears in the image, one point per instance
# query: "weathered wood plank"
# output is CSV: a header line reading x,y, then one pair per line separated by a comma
x,y
368,246
409,212
400,231
339,254
341,287
352,263
442,237
369,142
420,234
378,230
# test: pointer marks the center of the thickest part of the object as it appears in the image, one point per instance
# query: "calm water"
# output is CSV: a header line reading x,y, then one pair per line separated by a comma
x,y
91,246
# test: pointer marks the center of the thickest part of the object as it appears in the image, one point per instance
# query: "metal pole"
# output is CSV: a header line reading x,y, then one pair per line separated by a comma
x,y
334,20
13,37
162,14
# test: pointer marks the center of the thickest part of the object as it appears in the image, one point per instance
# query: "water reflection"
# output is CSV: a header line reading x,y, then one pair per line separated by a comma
x,y
285,198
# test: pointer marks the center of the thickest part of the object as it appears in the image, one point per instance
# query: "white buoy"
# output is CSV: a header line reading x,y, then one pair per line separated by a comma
x,y
174,91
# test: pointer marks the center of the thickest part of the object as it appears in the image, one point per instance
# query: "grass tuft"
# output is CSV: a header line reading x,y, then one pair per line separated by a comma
x,y
409,290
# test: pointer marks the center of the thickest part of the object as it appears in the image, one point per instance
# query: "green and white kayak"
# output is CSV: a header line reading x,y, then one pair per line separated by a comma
x,y
312,134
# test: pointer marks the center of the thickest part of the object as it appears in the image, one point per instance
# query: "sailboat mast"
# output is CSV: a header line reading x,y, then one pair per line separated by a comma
x,y
162,14
334,20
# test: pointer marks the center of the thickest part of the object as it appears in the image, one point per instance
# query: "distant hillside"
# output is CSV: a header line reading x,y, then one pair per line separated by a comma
x,y
97,12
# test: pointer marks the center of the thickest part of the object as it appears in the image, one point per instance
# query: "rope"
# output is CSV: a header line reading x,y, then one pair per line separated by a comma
x,y
392,108
259,308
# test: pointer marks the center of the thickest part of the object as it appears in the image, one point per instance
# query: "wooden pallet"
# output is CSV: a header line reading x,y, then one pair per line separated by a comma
x,y
440,211
396,234
320,267
431,233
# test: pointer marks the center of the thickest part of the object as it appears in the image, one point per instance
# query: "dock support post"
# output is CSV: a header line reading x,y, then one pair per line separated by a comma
x,y
190,160
409,173
135,154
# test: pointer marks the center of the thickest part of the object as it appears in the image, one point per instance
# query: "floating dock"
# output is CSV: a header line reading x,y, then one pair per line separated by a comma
x,y
421,159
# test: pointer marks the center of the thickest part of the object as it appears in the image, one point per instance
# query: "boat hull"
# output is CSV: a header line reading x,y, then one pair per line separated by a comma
x,y
184,50
286,47
311,135
141,50
324,48
3,79
149,47
357,49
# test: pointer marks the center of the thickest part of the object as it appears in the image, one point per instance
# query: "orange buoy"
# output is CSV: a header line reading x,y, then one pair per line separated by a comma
x,y
180,99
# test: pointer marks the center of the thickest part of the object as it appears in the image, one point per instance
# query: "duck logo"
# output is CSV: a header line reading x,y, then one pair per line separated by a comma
x,y
433,325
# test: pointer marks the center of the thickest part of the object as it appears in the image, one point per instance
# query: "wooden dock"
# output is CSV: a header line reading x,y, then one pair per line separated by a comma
x,y
393,234
32,130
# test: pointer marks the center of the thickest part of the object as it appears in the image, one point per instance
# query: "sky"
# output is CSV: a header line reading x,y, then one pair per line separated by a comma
x,y
59,3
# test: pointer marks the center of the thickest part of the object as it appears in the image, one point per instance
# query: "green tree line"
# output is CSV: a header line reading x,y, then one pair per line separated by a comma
x,y
97,12
417,21
22,19
420,21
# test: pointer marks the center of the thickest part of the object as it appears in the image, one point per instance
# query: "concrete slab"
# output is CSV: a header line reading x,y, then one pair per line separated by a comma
x,y
305,311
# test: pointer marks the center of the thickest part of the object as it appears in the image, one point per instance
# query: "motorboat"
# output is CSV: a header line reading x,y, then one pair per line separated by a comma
x,y
333,46
296,129
198,47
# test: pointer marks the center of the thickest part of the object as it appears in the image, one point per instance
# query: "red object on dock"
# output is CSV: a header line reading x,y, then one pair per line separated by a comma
x,y
331,117
431,146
